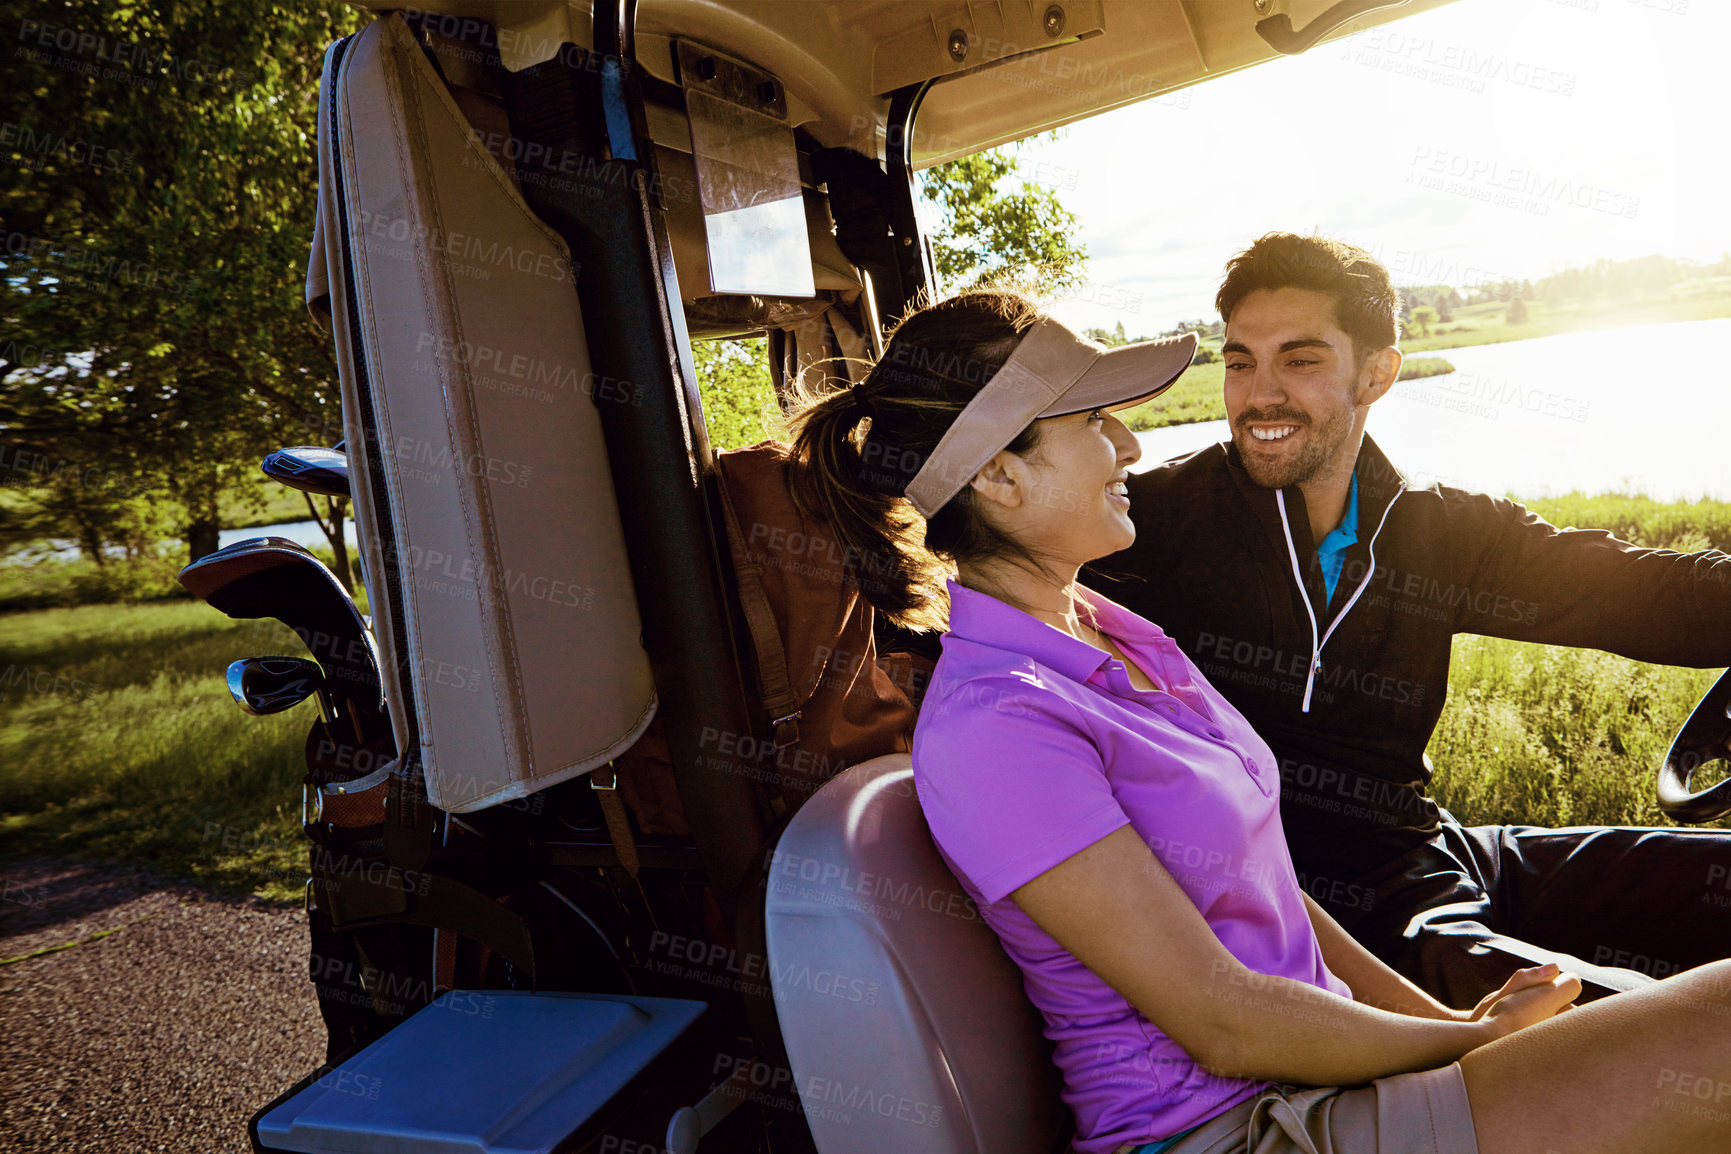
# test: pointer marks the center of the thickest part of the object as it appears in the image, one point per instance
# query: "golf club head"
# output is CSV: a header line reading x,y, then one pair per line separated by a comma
x,y
310,468
276,577
265,685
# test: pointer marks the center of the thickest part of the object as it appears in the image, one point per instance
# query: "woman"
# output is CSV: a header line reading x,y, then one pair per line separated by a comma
x,y
1118,822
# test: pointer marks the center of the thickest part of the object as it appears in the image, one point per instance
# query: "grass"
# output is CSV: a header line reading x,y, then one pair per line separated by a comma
x,y
1686,526
1484,324
1417,368
1542,735
1196,397
47,583
119,741
1545,735
64,582
263,501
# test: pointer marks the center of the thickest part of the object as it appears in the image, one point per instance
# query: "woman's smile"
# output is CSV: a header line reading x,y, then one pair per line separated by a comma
x,y
1079,454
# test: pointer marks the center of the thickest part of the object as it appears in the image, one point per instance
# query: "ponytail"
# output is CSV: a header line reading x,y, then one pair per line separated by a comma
x,y
856,449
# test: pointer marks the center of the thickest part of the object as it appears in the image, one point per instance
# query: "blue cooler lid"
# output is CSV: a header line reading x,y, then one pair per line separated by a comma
x,y
480,1072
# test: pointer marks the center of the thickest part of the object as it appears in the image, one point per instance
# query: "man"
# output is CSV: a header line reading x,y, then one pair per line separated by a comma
x,y
1319,591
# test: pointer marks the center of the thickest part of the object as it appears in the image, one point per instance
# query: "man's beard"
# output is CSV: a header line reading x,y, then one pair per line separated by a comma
x,y
1321,439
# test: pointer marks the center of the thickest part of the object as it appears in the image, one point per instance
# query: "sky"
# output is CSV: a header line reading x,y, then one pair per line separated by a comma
x,y
1486,139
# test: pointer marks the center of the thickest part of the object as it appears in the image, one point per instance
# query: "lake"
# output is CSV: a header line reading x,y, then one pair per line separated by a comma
x,y
1611,411
305,533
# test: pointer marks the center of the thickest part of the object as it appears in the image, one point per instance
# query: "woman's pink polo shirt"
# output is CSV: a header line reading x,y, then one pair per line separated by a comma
x,y
1032,746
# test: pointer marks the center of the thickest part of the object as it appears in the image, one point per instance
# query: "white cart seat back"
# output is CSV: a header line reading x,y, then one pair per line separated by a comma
x,y
498,579
906,1025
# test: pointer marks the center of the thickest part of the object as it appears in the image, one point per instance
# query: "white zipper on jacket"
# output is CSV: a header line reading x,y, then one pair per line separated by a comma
x,y
1316,643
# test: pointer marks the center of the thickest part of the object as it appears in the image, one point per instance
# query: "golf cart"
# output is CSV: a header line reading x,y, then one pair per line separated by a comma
x,y
528,932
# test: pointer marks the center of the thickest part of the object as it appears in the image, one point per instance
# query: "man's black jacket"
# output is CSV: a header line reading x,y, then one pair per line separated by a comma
x,y
1213,566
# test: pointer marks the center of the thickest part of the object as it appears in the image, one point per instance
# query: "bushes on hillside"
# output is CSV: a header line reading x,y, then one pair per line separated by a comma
x,y
55,583
1415,368
1685,526
46,582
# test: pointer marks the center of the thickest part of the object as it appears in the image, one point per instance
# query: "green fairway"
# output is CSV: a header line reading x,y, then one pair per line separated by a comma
x,y
118,740
1486,324
1196,397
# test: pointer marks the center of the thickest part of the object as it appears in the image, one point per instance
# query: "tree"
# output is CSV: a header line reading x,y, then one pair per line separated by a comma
x,y
1423,318
1517,314
159,214
993,222
739,405
1111,338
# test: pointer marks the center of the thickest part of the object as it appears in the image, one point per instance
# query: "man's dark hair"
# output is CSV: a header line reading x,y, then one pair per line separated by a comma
x,y
1366,307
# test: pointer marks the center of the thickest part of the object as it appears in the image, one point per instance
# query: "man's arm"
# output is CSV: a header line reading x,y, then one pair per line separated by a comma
x,y
1584,587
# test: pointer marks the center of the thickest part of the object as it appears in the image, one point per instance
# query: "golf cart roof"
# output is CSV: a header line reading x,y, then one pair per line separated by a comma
x,y
1000,70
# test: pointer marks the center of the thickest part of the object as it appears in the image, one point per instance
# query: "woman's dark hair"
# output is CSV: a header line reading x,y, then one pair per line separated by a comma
x,y
1366,306
855,450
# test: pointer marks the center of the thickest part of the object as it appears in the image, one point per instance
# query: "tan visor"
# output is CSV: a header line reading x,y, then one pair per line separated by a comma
x,y
1052,372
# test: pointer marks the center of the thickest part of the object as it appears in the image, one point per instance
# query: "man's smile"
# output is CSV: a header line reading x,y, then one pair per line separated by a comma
x,y
1271,425
1272,433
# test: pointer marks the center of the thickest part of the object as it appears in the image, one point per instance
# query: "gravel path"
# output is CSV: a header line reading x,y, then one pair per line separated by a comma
x,y
190,1012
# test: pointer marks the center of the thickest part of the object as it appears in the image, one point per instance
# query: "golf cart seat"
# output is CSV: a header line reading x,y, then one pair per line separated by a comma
x,y
905,1024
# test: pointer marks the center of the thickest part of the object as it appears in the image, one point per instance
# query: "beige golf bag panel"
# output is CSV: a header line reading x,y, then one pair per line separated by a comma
x,y
497,572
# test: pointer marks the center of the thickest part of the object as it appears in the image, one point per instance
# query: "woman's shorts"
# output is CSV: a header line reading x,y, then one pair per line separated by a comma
x,y
1422,1113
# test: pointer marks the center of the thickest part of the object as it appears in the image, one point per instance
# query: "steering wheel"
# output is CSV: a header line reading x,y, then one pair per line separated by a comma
x,y
1705,737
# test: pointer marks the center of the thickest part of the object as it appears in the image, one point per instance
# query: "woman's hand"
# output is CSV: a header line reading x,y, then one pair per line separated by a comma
x,y
1519,980
1530,995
